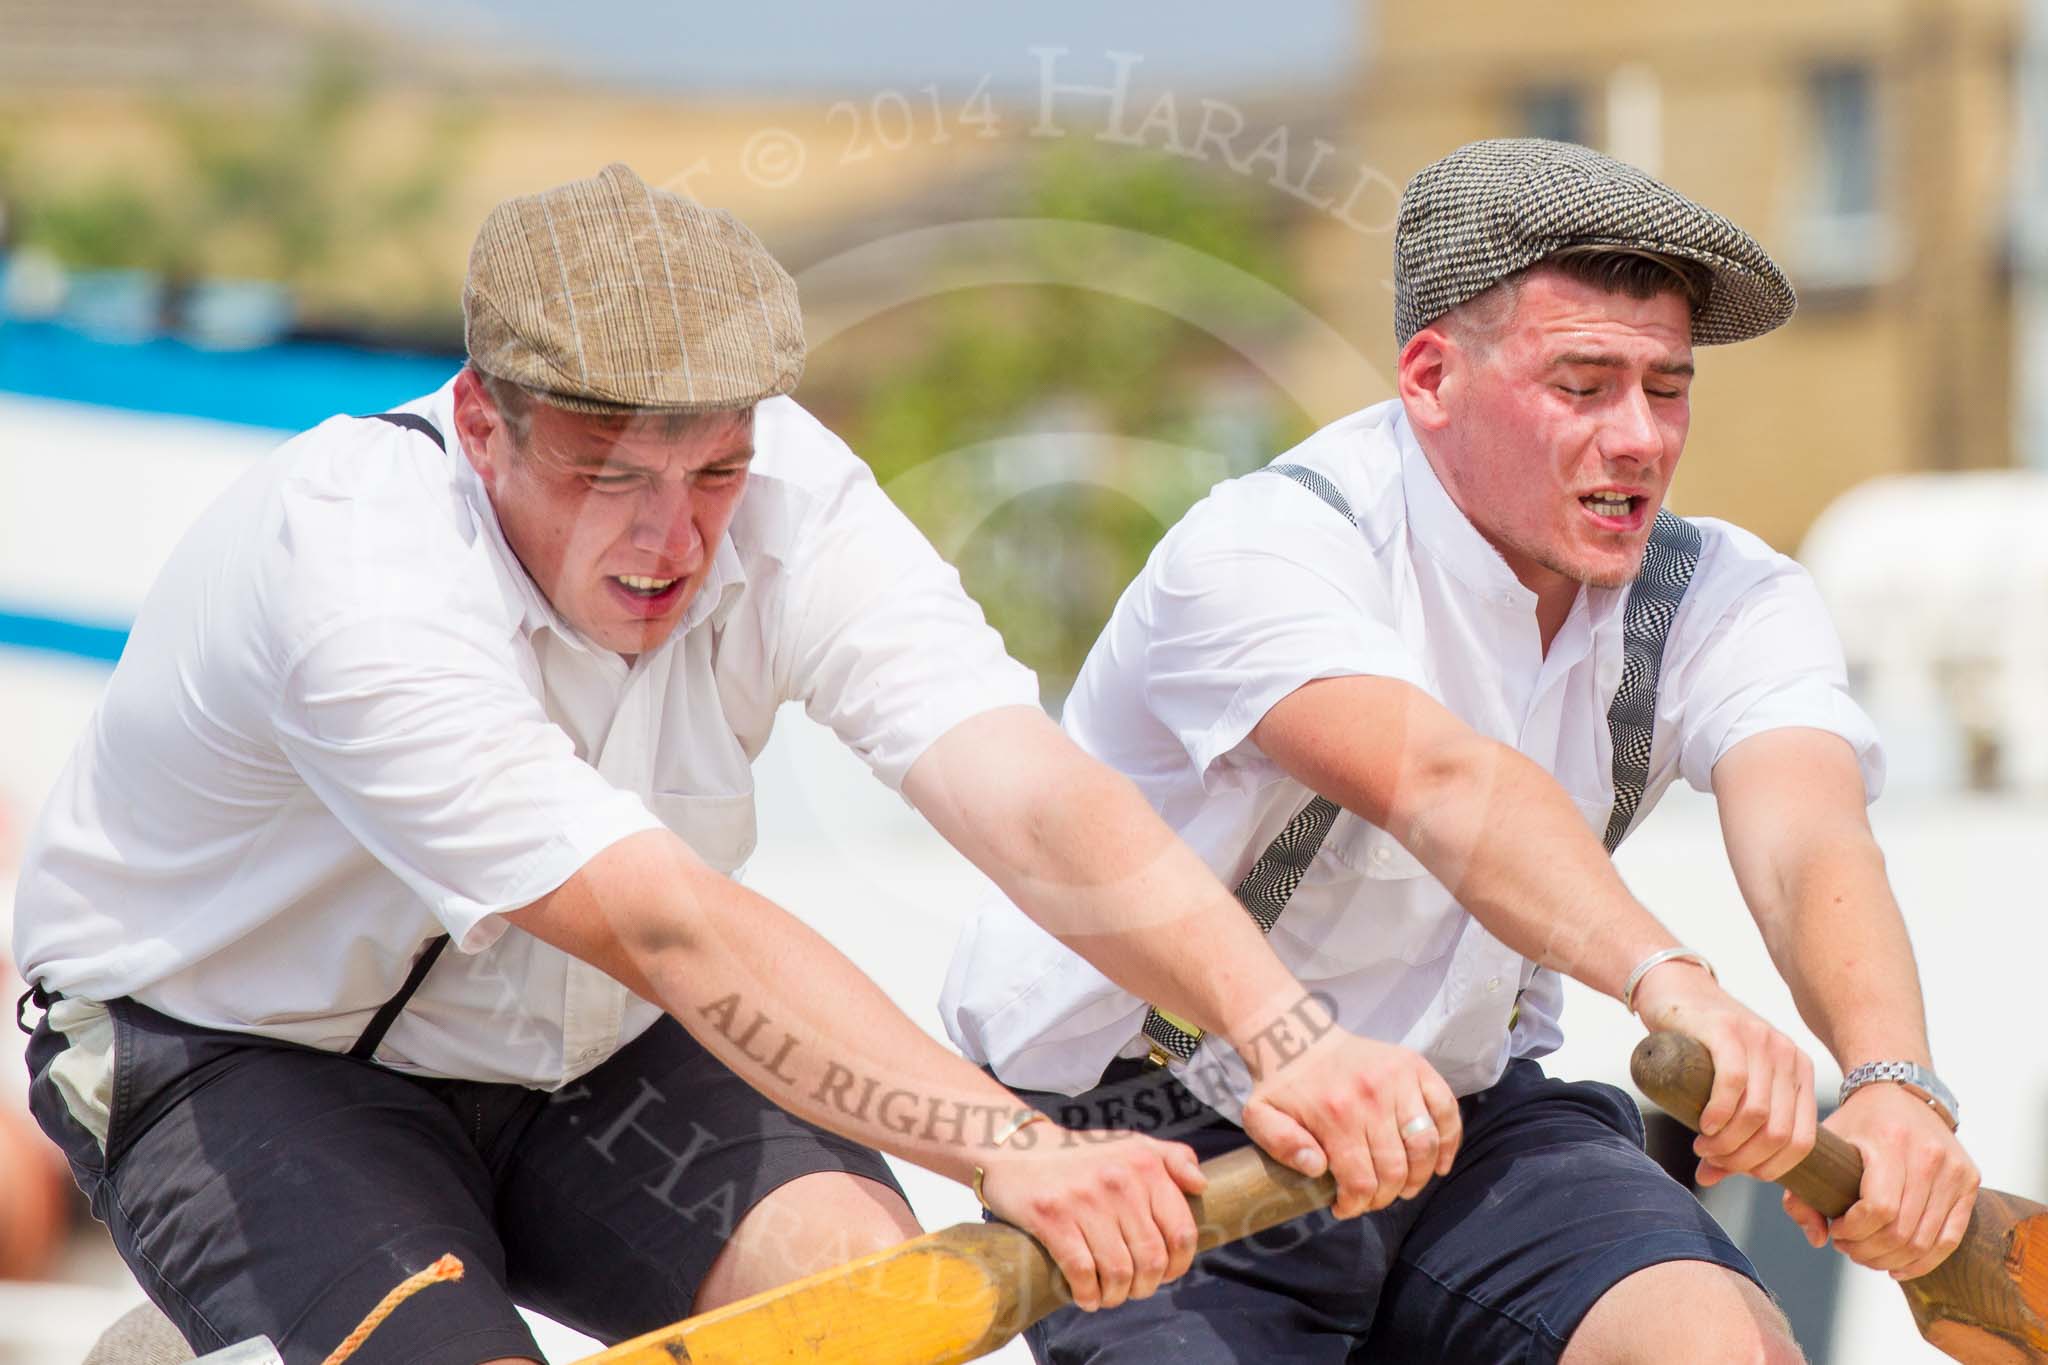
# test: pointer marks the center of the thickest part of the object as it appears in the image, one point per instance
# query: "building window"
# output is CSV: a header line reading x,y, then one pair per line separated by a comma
x,y
1845,238
1556,112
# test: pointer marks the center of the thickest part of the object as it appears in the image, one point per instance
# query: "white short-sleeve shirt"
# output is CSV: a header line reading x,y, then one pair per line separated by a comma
x,y
1263,587
347,722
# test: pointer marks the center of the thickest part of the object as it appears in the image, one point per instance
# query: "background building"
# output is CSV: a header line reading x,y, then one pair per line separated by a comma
x,y
1872,145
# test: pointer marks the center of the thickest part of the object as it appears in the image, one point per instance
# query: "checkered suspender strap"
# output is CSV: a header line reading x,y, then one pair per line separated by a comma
x,y
1653,599
1668,561
1267,886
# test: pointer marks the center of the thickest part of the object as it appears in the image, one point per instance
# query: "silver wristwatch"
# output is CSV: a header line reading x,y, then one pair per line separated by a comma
x,y
1917,1080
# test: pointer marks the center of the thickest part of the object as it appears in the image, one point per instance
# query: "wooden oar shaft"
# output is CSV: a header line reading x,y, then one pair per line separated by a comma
x,y
1677,1073
948,1296
1247,1193
1987,1304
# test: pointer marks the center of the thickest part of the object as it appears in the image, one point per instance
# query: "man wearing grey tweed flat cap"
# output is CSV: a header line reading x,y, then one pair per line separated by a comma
x,y
389,906
1406,688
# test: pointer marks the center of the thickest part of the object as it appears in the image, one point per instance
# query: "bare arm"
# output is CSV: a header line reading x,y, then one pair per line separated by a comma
x,y
1074,844
1792,813
650,914
1791,805
1503,838
834,1049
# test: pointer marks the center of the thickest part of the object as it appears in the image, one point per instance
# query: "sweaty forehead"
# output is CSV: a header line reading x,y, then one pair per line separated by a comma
x,y
652,441
1553,293
1619,329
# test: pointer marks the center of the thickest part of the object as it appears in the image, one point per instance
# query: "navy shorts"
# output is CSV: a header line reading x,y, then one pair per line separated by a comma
x,y
1551,1203
260,1187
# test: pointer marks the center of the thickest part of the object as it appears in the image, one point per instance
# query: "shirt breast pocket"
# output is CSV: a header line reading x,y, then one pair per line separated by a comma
x,y
1595,810
718,829
1381,903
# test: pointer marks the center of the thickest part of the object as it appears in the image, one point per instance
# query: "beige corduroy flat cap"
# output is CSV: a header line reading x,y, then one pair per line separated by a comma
x,y
1491,208
609,296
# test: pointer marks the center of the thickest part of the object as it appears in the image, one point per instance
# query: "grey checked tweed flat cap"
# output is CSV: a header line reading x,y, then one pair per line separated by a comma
x,y
1492,208
608,296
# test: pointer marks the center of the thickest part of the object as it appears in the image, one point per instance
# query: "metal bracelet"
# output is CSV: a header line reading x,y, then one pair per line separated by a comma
x,y
1016,1126
1658,959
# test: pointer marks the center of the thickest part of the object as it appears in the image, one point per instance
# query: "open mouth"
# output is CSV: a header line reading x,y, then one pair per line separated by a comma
x,y
1616,511
644,595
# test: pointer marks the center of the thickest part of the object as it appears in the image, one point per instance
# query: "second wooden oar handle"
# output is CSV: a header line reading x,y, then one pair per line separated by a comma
x,y
1676,1072
1249,1192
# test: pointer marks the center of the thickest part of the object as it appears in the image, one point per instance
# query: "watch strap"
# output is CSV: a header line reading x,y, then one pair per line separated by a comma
x,y
1916,1078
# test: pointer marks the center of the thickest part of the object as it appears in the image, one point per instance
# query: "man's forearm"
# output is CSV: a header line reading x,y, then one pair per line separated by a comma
x,y
786,1011
1136,901
793,1017
1792,816
1838,940
1077,848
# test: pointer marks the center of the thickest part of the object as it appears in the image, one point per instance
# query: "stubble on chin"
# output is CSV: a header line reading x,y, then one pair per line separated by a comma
x,y
1610,575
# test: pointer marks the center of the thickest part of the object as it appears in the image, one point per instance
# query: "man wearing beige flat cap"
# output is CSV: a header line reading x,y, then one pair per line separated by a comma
x,y
1406,688
387,908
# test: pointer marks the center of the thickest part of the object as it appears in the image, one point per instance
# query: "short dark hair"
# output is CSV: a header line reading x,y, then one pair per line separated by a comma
x,y
1617,270
1633,271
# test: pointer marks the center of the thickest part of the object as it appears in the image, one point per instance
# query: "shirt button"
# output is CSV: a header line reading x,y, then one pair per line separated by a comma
x,y
590,1054
1380,856
1492,984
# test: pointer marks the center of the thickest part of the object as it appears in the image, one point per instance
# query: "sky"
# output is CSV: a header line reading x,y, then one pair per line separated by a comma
x,y
811,44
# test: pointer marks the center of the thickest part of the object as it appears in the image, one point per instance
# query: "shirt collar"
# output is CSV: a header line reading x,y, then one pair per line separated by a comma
x,y
1453,541
1447,535
714,601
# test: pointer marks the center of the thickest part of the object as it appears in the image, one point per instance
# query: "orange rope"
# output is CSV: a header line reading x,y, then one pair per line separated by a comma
x,y
447,1268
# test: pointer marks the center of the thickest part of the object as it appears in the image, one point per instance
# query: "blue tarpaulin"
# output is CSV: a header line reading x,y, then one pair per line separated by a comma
x,y
291,385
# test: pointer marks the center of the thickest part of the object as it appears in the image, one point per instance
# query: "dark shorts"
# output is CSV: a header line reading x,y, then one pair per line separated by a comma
x,y
1551,1203
257,1187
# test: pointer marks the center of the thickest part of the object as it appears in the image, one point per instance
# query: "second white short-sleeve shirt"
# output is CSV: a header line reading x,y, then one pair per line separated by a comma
x,y
1264,587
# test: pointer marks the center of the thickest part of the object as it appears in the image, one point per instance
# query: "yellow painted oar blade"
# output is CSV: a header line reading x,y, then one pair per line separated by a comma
x,y
948,1296
939,1299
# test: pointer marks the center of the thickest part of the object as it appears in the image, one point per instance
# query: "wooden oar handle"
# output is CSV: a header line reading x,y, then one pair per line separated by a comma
x,y
1249,1192
1987,1304
1677,1073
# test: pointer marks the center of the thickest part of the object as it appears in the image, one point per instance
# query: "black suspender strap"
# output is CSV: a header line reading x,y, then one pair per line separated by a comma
x,y
1653,600
34,995
411,421
388,1012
